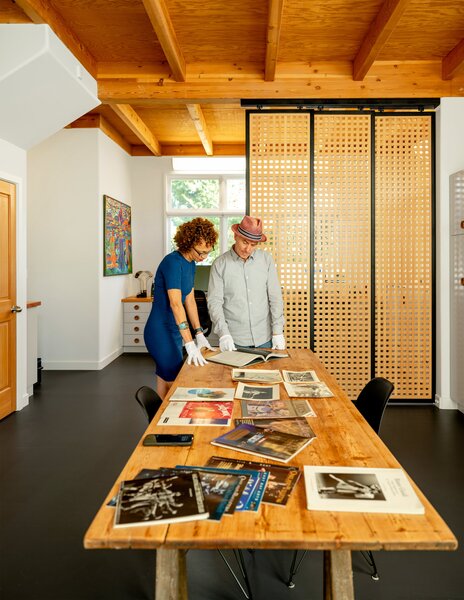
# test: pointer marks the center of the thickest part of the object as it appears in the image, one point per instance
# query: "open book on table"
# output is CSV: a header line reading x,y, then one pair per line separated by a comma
x,y
245,356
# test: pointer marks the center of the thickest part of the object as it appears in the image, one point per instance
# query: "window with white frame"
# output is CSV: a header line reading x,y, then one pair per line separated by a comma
x,y
221,198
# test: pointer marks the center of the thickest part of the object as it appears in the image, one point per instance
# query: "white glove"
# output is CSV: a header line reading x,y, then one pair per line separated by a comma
x,y
278,342
226,343
202,342
194,354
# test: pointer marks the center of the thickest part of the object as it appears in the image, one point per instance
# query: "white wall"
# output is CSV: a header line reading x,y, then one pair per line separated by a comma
x,y
81,314
148,191
113,180
13,168
63,233
450,158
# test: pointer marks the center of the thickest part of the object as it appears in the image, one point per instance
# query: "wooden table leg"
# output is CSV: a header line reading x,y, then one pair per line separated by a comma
x,y
338,575
171,575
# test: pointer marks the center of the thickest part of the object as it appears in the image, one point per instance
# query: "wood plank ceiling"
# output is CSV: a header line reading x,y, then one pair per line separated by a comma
x,y
171,73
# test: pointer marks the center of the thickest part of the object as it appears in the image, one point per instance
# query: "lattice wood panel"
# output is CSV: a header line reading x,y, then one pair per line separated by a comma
x,y
279,172
342,247
403,249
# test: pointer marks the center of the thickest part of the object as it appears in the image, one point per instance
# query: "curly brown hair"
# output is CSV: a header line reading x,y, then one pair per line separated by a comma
x,y
193,232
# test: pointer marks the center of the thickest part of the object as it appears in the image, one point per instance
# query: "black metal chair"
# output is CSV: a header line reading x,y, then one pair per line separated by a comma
x,y
203,313
371,403
149,400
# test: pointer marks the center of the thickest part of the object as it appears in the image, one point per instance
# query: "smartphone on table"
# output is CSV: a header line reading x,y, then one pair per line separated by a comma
x,y
168,439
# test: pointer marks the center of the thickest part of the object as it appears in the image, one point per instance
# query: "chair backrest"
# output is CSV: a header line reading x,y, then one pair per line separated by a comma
x,y
148,400
373,399
203,313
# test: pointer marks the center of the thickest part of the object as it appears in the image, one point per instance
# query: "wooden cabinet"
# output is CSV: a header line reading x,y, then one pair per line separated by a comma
x,y
136,311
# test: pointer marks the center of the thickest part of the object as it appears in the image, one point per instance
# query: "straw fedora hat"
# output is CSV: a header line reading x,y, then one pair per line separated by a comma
x,y
250,228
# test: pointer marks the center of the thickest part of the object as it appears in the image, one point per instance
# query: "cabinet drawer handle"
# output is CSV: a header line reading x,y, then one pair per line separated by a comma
x,y
462,280
462,224
136,340
136,307
136,318
136,328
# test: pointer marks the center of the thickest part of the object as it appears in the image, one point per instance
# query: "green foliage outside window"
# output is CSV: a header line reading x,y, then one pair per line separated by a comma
x,y
195,194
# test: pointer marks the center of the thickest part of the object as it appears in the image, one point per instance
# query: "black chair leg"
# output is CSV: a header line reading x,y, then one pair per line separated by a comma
x,y
246,588
294,568
369,558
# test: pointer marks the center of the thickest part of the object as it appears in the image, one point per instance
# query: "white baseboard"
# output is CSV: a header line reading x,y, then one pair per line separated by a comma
x,y
22,402
81,365
445,403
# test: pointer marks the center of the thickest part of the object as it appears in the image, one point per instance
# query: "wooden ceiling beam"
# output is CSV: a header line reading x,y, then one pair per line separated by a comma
x,y
137,126
378,34
42,11
162,24
199,121
160,72
274,24
453,61
192,150
387,80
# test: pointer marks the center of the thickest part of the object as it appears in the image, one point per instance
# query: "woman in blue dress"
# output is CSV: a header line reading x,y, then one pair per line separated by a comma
x,y
167,327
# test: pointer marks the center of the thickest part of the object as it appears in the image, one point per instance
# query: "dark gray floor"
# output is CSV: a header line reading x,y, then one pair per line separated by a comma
x,y
61,454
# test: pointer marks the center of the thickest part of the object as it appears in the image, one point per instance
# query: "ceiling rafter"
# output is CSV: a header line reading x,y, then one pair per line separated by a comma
x,y
274,24
162,24
378,34
42,11
137,126
453,61
415,79
198,118
179,149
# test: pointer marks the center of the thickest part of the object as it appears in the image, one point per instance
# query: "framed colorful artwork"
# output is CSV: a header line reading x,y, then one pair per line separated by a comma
x,y
117,235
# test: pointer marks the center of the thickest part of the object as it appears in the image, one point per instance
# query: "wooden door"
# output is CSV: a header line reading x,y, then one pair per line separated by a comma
x,y
7,298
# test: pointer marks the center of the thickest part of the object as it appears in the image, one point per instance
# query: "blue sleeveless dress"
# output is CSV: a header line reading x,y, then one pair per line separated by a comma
x,y
161,334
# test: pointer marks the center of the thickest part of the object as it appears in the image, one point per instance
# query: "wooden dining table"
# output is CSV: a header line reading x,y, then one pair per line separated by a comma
x,y
343,438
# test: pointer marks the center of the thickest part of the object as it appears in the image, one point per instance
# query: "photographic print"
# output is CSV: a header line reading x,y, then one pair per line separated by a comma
x,y
257,392
256,376
197,413
117,237
276,409
308,390
356,486
202,394
360,489
297,377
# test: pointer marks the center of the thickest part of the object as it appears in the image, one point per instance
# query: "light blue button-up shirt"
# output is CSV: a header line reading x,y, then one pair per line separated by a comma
x,y
245,298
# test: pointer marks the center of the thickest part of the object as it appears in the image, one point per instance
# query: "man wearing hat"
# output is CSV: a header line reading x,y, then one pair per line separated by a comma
x,y
244,296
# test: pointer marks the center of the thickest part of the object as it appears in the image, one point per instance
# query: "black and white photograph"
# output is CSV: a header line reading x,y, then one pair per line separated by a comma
x,y
257,376
308,390
356,485
360,489
298,377
255,392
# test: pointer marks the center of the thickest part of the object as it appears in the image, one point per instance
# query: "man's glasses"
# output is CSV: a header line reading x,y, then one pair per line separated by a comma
x,y
202,254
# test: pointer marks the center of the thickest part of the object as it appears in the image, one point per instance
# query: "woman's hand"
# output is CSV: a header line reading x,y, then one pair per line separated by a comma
x,y
202,342
194,354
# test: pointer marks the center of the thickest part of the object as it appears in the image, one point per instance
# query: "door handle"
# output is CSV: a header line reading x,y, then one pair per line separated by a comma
x,y
16,309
